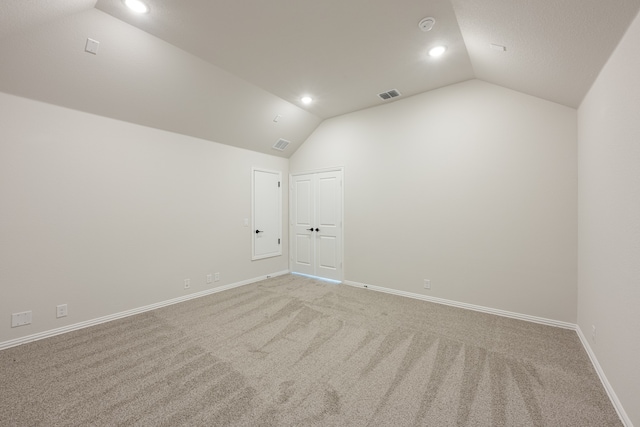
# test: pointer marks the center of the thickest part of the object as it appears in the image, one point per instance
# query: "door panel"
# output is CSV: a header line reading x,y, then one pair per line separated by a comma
x,y
303,209
327,201
327,253
303,250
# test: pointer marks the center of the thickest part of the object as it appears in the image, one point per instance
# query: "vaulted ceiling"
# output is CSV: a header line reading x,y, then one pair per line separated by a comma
x,y
223,69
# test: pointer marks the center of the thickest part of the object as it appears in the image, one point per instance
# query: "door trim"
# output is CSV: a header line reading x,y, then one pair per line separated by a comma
x,y
290,220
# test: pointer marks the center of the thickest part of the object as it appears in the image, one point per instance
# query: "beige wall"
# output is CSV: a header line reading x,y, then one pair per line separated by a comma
x,y
107,216
472,186
609,220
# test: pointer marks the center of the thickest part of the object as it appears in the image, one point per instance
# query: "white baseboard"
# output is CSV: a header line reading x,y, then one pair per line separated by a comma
x,y
594,361
480,308
603,378
127,313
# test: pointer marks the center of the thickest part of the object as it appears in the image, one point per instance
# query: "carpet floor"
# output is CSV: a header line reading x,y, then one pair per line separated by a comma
x,y
294,351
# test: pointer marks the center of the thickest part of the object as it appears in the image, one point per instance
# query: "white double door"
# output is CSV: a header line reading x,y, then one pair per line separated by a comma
x,y
316,224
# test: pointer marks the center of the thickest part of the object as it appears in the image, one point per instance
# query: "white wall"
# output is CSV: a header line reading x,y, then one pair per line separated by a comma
x,y
472,186
107,216
139,78
609,219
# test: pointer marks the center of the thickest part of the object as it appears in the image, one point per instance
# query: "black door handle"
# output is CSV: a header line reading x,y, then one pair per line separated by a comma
x,y
259,231
317,229
310,229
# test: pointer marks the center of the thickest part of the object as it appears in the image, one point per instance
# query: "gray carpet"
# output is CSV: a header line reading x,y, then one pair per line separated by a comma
x,y
293,351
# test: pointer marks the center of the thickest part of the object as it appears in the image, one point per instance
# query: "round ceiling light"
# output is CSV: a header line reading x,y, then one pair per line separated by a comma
x,y
437,51
137,6
306,100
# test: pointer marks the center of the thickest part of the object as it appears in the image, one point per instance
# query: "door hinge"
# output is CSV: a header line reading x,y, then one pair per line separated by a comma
x,y
278,184
278,241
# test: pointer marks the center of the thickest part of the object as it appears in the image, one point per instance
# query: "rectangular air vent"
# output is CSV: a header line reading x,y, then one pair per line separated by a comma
x,y
281,144
389,94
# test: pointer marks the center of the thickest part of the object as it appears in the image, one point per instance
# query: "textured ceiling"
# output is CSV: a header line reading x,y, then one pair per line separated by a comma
x,y
221,70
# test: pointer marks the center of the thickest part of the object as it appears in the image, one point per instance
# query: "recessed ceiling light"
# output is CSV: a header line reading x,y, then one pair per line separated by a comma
x,y
306,100
437,51
137,6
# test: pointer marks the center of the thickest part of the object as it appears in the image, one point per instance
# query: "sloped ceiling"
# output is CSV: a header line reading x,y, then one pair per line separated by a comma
x,y
20,15
342,53
222,70
555,49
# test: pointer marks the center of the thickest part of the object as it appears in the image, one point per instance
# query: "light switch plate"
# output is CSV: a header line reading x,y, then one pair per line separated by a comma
x,y
92,46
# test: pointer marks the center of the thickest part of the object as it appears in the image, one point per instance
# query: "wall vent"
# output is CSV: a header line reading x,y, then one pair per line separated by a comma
x,y
389,94
281,144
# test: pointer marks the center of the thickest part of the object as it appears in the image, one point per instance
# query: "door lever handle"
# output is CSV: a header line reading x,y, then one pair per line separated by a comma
x,y
259,231
310,229
317,229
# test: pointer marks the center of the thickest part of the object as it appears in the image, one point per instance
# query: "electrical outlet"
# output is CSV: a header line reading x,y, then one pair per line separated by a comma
x,y
61,310
427,284
187,283
209,278
593,333
20,319
216,277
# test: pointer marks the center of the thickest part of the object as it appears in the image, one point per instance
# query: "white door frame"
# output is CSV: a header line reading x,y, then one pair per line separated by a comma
x,y
291,233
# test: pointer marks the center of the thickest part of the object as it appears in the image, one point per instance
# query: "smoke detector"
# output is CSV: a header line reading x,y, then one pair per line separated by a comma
x,y
426,24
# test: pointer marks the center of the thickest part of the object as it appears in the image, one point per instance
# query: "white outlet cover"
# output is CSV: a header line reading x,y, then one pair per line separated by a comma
x,y
19,319
61,310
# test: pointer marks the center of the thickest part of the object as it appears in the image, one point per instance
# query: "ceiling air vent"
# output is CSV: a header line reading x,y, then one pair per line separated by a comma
x,y
389,94
281,144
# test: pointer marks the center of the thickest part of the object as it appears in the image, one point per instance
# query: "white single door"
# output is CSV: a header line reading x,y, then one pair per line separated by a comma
x,y
316,214
267,214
